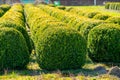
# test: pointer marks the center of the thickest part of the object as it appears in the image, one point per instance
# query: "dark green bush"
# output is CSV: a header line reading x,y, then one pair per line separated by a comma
x,y
1,12
13,49
115,20
101,16
5,7
104,43
91,14
19,28
60,48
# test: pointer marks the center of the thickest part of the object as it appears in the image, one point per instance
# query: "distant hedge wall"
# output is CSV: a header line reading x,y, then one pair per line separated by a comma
x,y
113,5
14,18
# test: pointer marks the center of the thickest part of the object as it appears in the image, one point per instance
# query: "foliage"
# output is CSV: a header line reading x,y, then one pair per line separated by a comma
x,y
60,48
113,5
13,51
5,7
101,16
91,14
54,40
104,43
87,26
115,20
14,18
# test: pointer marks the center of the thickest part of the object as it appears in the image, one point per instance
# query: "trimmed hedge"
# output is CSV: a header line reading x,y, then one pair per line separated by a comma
x,y
37,18
112,5
72,20
13,49
87,26
1,12
115,20
101,16
55,44
14,18
95,14
5,7
91,14
104,43
60,48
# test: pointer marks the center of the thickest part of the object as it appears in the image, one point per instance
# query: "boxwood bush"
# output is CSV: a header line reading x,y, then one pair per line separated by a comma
x,y
60,48
101,16
113,5
5,7
14,18
1,12
19,28
104,43
13,49
55,43
87,26
91,14
115,20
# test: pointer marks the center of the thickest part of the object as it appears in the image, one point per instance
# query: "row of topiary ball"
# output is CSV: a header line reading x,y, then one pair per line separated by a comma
x,y
57,46
112,5
95,14
15,43
102,37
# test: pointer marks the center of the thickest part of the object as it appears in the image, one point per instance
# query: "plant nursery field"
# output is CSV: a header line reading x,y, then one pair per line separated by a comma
x,y
47,42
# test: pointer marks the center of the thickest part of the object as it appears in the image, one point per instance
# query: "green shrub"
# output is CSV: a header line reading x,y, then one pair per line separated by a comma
x,y
60,48
104,43
19,28
13,49
5,7
101,16
112,5
91,14
1,12
87,26
115,20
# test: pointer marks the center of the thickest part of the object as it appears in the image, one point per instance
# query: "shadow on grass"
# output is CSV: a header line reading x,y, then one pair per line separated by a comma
x,y
65,73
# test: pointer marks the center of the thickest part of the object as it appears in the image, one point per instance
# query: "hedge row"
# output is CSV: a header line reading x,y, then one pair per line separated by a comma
x,y
57,45
4,8
95,15
75,21
104,43
14,18
103,37
112,5
14,53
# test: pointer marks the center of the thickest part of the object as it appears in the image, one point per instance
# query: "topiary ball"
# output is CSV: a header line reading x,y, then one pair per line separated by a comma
x,y
13,49
87,26
60,48
104,43
114,19
21,29
101,16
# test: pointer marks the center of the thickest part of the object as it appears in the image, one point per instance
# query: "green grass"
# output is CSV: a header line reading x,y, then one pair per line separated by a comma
x,y
34,72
